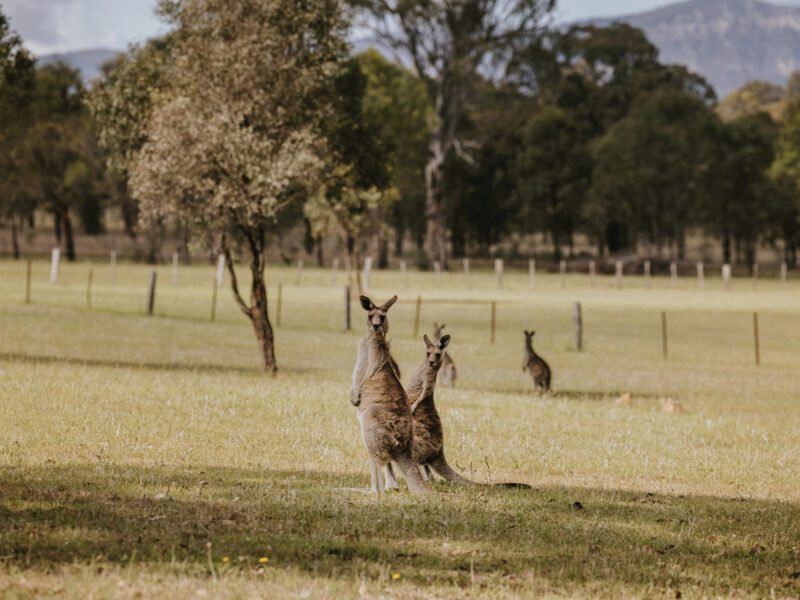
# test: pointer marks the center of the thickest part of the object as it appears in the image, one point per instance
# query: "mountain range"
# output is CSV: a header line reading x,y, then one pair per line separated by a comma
x,y
729,42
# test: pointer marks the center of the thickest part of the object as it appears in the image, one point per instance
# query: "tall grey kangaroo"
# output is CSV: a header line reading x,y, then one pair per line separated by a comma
x,y
535,364
428,449
383,408
447,374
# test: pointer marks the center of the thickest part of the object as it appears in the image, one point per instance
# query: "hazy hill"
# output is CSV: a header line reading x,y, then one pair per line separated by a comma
x,y
730,42
88,62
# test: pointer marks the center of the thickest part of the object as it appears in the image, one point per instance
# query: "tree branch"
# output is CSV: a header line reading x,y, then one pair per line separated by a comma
x,y
234,282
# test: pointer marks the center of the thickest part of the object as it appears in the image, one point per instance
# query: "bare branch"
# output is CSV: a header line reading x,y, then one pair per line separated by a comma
x,y
234,282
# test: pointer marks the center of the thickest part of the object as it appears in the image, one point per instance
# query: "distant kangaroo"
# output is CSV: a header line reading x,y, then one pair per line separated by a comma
x,y
428,449
383,409
535,364
447,374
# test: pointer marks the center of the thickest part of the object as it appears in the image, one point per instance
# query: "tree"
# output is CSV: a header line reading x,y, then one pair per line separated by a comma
x,y
449,42
236,137
785,173
355,194
17,86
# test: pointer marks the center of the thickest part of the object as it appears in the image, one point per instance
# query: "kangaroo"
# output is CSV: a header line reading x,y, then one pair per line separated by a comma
x,y
447,374
428,450
383,409
535,364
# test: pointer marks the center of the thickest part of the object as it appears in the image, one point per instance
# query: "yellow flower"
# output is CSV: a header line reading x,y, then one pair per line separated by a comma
x,y
226,559
263,560
395,576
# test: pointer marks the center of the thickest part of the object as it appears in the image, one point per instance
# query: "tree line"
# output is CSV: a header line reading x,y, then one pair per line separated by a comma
x,y
252,118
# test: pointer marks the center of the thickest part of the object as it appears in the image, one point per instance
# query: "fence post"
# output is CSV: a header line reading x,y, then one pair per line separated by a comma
x,y
577,320
300,271
494,320
347,308
498,271
367,271
466,271
416,316
89,289
755,275
151,292
437,269
113,260
334,271
278,307
55,260
28,282
404,272
647,273
220,270
592,272
755,338
664,333
673,273
562,270
784,273
619,274
700,276
726,276
532,273
174,268
214,301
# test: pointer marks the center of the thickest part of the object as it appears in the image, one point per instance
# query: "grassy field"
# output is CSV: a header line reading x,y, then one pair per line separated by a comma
x,y
144,456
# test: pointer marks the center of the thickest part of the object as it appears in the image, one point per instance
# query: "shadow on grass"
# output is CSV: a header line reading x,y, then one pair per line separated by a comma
x,y
54,515
150,366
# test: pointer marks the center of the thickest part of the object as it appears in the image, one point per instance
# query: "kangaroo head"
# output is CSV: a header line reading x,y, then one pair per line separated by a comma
x,y
376,315
434,352
529,338
437,330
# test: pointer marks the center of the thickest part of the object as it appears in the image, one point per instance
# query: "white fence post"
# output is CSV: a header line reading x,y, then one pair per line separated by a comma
x,y
55,261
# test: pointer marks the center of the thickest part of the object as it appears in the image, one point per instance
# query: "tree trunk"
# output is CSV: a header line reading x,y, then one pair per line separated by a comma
x,y
399,234
439,146
726,248
320,256
57,226
15,238
260,317
69,237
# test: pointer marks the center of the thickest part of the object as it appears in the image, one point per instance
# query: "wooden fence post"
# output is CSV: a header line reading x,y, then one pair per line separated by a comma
x,y
700,276
151,292
437,269
347,308
28,282
619,274
465,262
784,273
113,260
416,316
220,270
300,271
755,276
664,333
493,321
726,276
367,271
562,271
214,301
174,269
647,273
89,289
55,261
334,271
577,320
592,272
404,272
498,271
532,273
755,339
278,306
673,273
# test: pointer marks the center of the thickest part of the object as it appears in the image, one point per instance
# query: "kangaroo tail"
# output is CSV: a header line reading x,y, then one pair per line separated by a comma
x,y
441,466
410,471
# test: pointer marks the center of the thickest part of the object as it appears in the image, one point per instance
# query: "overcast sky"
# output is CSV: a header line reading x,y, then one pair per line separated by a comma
x,y
62,25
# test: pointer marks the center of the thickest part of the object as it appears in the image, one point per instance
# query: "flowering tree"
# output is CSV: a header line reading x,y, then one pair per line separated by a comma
x,y
236,136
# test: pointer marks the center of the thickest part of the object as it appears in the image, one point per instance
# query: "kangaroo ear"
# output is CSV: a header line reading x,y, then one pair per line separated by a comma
x,y
427,340
443,326
366,303
444,342
526,333
388,304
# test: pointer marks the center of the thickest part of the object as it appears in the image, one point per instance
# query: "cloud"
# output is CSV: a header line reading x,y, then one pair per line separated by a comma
x,y
49,26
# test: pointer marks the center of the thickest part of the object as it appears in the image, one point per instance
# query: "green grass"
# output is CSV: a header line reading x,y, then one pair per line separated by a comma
x,y
136,452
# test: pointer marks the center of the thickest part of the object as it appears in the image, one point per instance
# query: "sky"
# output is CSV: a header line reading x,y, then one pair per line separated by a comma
x,y
49,26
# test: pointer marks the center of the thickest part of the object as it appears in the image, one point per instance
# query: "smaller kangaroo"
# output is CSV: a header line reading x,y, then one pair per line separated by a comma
x,y
383,410
535,364
447,374
428,445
